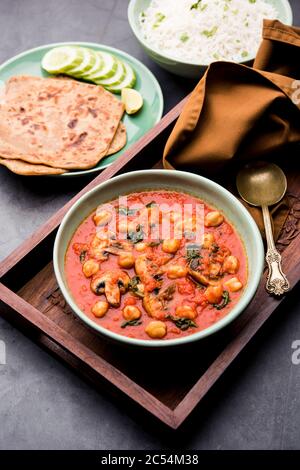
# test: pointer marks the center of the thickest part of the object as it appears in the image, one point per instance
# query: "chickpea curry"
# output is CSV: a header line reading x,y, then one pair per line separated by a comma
x,y
137,283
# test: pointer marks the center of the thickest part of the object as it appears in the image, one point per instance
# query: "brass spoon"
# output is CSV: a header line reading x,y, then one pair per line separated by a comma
x,y
264,184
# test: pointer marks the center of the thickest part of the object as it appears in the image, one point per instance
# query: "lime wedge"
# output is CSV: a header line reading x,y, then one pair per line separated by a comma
x,y
62,59
127,82
89,59
132,100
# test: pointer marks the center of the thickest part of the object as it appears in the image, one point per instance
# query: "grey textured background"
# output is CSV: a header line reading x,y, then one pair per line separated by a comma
x,y
43,405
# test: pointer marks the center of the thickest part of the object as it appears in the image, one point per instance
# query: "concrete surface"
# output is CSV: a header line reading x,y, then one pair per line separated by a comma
x,y
43,405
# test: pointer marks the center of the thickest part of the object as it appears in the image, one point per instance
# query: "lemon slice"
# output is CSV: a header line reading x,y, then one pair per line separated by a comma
x,y
132,100
62,59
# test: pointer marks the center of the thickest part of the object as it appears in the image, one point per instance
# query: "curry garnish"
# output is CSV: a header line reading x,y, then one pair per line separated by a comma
x,y
154,243
215,248
182,323
134,286
82,256
225,301
137,235
193,256
135,322
126,211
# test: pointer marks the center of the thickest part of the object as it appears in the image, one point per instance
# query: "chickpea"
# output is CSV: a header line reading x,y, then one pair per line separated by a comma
x,y
141,246
102,217
156,329
185,311
100,240
104,234
171,246
186,225
214,294
100,308
126,260
122,226
213,219
130,312
233,284
214,270
96,241
90,268
208,240
231,264
176,270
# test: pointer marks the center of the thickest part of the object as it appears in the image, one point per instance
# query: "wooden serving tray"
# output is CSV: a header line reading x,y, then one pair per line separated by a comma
x,y
154,379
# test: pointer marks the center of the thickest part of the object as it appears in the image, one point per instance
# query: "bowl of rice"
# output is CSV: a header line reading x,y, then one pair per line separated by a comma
x,y
185,36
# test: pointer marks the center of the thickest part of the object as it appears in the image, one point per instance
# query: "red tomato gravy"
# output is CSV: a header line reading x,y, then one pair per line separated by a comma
x,y
184,286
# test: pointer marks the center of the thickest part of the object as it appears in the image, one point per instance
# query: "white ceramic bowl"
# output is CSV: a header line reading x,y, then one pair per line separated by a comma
x,y
180,66
212,193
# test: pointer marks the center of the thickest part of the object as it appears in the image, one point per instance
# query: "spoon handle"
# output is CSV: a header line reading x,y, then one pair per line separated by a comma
x,y
277,282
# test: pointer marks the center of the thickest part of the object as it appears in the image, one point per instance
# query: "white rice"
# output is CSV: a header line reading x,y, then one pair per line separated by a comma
x,y
206,30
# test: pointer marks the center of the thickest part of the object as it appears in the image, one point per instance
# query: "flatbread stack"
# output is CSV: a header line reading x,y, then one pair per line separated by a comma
x,y
53,125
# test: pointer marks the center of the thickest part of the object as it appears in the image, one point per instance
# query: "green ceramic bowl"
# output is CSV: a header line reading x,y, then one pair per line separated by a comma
x,y
181,67
206,189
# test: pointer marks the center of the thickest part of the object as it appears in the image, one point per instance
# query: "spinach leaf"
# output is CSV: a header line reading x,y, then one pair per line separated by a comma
x,y
135,322
154,243
193,256
82,256
136,236
182,323
134,286
225,301
126,211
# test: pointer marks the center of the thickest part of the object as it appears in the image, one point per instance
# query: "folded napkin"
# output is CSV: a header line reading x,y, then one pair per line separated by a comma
x,y
238,113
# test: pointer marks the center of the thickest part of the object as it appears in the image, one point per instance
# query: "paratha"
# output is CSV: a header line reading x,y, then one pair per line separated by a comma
x,y
60,123
28,169
119,140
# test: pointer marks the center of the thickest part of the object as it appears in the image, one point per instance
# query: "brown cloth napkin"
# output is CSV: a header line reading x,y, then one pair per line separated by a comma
x,y
238,113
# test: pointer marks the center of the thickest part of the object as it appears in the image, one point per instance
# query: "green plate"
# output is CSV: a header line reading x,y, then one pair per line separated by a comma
x,y
29,63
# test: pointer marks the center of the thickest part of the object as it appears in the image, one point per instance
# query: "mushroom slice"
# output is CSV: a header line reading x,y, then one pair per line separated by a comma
x,y
200,278
118,247
112,284
153,306
148,272
156,304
